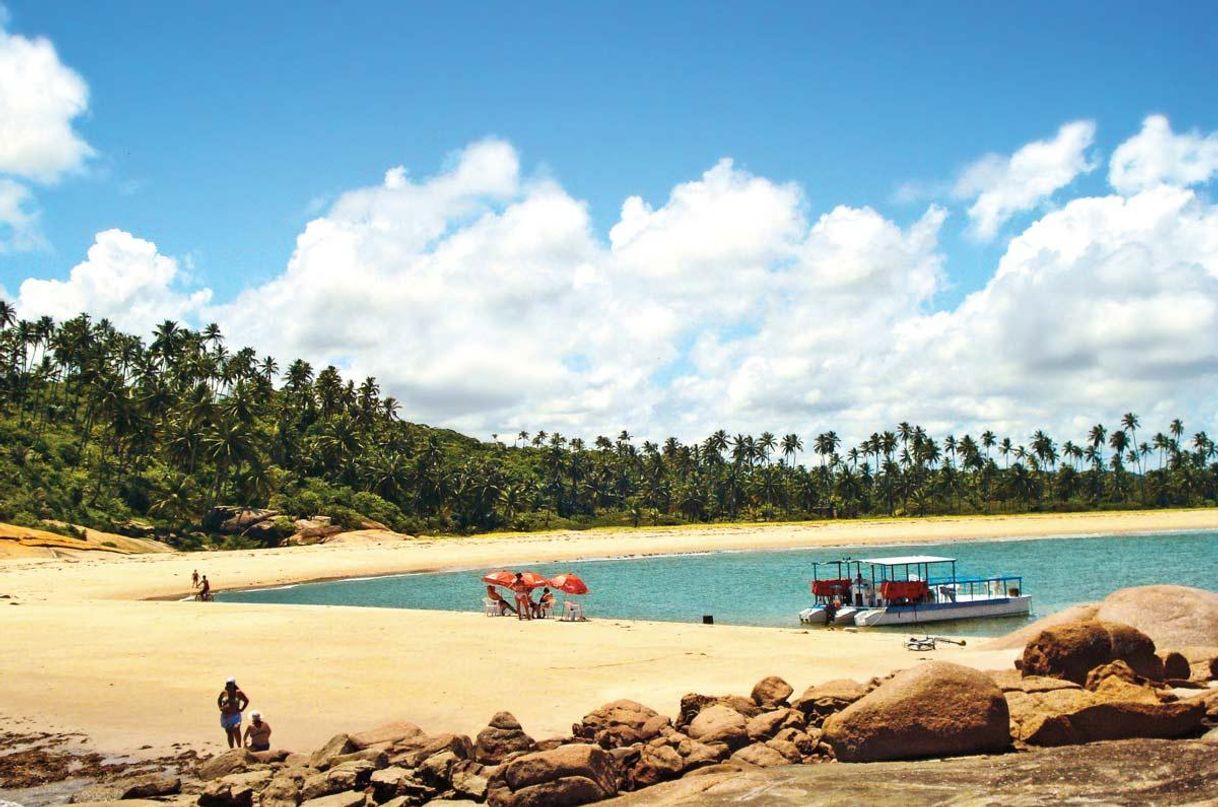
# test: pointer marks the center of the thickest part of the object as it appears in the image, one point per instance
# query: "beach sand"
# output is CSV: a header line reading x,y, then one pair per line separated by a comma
x,y
84,650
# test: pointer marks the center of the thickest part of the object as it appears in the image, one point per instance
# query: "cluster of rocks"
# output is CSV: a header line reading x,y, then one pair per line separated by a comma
x,y
1075,683
273,527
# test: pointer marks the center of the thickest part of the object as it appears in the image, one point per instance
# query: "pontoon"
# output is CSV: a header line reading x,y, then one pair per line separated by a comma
x,y
910,590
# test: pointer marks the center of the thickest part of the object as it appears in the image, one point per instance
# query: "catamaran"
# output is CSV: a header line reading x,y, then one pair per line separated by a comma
x,y
908,590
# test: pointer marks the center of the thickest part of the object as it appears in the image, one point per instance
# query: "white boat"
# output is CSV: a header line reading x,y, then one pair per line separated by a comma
x,y
905,590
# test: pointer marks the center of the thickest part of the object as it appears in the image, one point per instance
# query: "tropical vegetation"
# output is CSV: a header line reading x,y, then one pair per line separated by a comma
x,y
99,427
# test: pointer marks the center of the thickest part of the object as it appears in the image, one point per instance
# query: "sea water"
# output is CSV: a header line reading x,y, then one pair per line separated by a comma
x,y
769,588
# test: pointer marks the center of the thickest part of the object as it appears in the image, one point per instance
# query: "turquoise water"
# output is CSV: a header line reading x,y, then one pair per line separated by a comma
x,y
769,588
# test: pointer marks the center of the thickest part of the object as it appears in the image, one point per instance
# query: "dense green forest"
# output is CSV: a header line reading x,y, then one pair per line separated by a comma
x,y
99,427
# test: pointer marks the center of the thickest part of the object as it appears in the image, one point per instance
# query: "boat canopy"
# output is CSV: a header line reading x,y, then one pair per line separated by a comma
x,y
907,560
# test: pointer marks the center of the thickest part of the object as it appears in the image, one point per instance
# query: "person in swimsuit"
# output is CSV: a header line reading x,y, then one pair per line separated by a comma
x,y
545,603
504,605
194,579
258,733
232,703
205,590
524,603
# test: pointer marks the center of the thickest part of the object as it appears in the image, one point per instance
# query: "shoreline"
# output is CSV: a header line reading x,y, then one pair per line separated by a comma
x,y
88,649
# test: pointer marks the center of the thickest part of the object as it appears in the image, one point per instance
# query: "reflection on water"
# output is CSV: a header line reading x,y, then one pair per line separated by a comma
x,y
769,588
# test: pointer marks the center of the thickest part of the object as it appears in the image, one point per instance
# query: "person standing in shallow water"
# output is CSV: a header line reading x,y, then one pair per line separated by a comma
x,y
232,702
524,603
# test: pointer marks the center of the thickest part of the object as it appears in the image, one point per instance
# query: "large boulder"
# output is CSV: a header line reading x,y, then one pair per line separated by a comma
x,y
1092,717
771,691
502,738
1072,650
694,703
386,735
1202,661
336,746
561,777
620,723
720,724
656,764
937,709
145,786
232,520
760,755
1172,616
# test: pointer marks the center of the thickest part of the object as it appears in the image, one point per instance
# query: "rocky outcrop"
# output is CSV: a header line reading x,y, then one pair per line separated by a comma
x,y
720,724
1072,650
938,709
230,520
502,739
822,700
770,692
693,703
386,735
620,723
236,760
567,775
1202,661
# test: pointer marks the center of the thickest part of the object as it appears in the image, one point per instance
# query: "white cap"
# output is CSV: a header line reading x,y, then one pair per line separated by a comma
x,y
255,714
230,680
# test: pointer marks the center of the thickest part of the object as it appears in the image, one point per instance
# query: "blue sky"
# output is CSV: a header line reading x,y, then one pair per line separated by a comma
x,y
220,130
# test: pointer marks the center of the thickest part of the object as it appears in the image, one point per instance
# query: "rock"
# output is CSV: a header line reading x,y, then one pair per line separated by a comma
x,y
1072,650
273,755
412,752
1118,670
336,746
145,786
1210,737
369,524
620,723
376,756
1094,719
937,709
255,780
693,703
1202,661
655,765
766,724
470,779
1014,681
760,755
720,724
344,776
568,775
236,760
771,691
1176,666
133,528
386,735
283,789
822,700
1172,616
790,752
502,738
232,520
313,530
805,743
351,799
222,794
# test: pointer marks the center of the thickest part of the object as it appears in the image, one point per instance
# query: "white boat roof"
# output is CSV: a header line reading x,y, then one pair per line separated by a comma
x,y
902,560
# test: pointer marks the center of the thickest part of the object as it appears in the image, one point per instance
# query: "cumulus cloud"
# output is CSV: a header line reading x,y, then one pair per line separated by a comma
x,y
124,279
484,300
18,220
1156,156
39,99
1005,186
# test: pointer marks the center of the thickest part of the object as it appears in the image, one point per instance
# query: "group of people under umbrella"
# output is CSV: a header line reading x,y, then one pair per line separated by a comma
x,y
522,585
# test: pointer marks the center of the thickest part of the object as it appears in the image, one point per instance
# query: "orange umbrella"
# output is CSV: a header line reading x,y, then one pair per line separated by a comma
x,y
568,584
500,578
533,580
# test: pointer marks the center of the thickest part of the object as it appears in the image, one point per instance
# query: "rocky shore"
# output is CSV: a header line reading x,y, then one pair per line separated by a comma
x,y
1077,683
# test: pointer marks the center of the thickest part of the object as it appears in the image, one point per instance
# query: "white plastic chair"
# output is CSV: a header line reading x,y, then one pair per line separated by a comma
x,y
490,607
572,612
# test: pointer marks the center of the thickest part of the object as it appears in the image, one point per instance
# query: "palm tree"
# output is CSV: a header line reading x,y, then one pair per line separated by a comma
x,y
791,445
8,314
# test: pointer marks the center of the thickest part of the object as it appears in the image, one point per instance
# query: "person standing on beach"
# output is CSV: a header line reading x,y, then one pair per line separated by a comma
x,y
524,603
258,733
232,703
194,579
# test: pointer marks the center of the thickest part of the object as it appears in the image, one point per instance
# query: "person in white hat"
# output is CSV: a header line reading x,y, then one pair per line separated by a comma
x,y
258,733
232,703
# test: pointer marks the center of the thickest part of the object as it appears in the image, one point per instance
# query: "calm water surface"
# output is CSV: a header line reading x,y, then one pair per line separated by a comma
x,y
769,588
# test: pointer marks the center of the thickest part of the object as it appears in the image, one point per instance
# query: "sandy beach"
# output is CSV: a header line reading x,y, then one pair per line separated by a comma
x,y
98,644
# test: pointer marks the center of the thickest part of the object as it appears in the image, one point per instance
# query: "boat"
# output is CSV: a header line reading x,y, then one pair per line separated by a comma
x,y
909,590
833,588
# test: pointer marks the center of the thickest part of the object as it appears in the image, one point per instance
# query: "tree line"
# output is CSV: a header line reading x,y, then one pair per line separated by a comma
x,y
98,426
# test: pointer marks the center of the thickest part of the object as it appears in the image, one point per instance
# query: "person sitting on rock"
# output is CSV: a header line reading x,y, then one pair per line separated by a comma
x,y
504,605
258,733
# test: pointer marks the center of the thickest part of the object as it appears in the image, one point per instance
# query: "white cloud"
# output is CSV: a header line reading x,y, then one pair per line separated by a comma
x,y
1157,156
18,221
1005,186
483,299
39,99
124,279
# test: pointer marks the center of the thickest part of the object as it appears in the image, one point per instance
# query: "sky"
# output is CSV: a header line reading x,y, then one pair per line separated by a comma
x,y
665,218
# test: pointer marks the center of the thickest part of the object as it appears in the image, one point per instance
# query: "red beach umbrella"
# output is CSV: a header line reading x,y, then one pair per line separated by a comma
x,y
568,584
533,580
500,578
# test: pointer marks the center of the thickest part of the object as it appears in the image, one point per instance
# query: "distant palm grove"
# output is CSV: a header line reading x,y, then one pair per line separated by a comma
x,y
101,428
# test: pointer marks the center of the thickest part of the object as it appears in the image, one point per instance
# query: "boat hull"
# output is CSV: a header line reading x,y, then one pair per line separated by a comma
x,y
816,615
943,611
